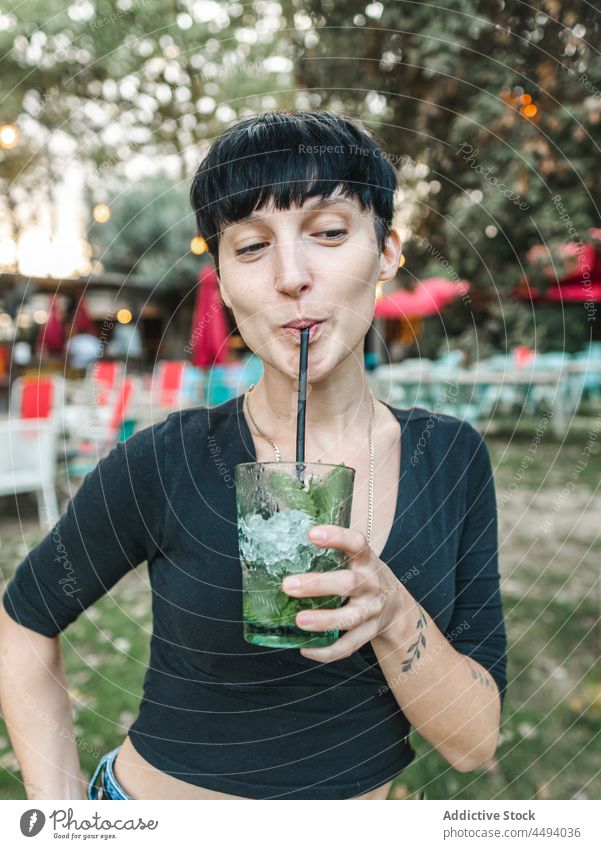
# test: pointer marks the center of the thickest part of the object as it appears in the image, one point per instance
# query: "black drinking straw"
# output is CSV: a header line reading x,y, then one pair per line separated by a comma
x,y
302,399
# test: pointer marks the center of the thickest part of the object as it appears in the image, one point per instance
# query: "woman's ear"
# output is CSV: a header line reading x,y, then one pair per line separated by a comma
x,y
390,255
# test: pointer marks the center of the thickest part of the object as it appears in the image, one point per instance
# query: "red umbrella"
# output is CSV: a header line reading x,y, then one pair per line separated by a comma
x,y
428,298
83,322
575,292
210,330
581,261
52,337
581,277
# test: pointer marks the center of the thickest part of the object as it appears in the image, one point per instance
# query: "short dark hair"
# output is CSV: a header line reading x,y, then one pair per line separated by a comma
x,y
286,157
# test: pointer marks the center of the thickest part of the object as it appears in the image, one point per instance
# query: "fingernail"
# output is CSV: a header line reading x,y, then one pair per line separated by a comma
x,y
306,619
317,534
291,583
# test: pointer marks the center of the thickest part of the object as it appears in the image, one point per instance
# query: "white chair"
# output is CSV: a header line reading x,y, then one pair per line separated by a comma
x,y
92,402
97,430
28,463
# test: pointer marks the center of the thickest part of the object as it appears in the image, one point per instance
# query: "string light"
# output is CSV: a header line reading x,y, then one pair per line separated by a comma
x,y
9,136
518,99
529,111
198,245
101,213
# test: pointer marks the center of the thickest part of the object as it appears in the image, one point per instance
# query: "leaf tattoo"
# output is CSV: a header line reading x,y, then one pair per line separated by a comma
x,y
421,640
483,679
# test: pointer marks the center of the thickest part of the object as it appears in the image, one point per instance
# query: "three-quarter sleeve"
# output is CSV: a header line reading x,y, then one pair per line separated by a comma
x,y
477,625
112,524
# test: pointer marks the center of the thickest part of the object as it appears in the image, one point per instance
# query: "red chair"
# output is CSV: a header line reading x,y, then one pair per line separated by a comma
x,y
37,397
94,437
122,406
104,428
168,383
105,378
99,391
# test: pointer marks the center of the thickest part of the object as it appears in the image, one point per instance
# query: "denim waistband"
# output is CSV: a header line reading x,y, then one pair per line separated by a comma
x,y
103,784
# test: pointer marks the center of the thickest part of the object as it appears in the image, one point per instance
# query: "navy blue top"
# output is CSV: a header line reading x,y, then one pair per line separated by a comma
x,y
249,720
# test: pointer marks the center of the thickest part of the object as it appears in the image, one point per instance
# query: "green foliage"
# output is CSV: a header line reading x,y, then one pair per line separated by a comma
x,y
148,234
112,80
449,77
321,500
438,85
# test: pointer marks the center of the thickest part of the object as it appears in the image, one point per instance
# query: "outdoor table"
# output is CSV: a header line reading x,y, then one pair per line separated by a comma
x,y
448,392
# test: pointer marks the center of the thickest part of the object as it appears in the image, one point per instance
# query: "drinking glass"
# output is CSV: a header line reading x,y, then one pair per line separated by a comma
x,y
276,505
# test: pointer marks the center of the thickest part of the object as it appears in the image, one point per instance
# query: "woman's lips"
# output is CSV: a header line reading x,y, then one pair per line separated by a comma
x,y
296,334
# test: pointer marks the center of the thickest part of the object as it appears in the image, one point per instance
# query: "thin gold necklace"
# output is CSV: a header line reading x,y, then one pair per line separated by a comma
x,y
372,457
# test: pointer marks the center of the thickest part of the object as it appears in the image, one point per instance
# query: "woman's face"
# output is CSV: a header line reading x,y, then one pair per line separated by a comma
x,y
317,261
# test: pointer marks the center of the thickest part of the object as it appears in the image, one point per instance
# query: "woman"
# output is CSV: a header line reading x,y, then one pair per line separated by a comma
x,y
296,209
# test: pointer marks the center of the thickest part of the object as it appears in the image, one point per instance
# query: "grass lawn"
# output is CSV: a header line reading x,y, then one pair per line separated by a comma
x,y
549,562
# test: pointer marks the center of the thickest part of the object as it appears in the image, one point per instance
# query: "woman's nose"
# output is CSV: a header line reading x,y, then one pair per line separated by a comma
x,y
292,272
292,285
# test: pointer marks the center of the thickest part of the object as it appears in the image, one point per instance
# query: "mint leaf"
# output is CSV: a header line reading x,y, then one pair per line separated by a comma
x,y
290,492
329,496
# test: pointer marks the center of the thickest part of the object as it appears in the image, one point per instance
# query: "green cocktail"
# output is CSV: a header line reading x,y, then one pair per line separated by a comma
x,y
277,504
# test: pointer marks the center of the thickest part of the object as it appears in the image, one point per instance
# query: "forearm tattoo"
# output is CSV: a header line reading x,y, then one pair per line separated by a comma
x,y
481,677
413,649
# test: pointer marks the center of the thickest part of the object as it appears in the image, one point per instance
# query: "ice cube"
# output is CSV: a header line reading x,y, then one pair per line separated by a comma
x,y
279,542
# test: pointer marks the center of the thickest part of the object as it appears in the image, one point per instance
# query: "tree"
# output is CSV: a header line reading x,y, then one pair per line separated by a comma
x,y
103,83
148,234
497,100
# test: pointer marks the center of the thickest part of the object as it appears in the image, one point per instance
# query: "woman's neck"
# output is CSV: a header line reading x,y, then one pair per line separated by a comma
x,y
335,413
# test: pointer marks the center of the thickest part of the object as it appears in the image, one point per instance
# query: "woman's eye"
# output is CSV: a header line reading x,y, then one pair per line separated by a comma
x,y
329,234
250,248
332,234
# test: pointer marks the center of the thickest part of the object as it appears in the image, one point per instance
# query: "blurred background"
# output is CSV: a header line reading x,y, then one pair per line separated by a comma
x,y
110,316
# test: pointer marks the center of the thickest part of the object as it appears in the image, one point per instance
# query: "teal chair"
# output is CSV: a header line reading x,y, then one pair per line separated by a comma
x,y
80,461
217,385
193,386
251,371
591,386
224,382
448,362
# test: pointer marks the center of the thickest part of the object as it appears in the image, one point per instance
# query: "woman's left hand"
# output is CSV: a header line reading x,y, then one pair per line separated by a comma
x,y
376,597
